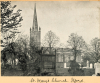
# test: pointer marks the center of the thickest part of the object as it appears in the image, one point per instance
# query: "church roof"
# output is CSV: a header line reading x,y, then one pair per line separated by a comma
x,y
46,50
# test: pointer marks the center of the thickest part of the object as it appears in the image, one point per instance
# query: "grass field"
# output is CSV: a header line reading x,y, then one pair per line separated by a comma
x,y
59,72
11,72
64,72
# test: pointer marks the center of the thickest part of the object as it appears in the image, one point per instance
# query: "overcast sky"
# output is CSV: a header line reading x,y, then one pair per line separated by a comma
x,y
62,17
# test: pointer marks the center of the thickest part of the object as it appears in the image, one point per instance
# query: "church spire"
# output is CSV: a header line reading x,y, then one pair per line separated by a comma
x,y
35,23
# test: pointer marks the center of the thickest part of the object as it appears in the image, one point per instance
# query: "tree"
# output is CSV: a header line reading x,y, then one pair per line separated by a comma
x,y
9,52
10,21
16,50
74,69
95,43
27,55
20,51
23,44
76,43
50,40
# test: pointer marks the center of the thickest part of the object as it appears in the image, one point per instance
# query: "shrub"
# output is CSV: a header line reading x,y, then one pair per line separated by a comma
x,y
75,70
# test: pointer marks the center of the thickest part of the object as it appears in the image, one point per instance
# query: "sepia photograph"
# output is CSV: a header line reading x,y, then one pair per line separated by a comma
x,y
50,38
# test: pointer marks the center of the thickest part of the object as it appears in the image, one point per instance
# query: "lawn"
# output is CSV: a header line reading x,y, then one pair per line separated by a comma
x,y
11,72
64,72
59,72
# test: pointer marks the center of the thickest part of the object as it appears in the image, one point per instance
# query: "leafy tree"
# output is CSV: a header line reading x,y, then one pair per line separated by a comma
x,y
17,50
76,43
28,55
23,50
10,21
9,52
50,40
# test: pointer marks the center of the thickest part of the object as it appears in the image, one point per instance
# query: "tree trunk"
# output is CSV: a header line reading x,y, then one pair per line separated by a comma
x,y
50,48
14,63
75,55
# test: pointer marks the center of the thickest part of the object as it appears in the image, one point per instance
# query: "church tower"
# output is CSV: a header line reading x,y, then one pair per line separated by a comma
x,y
35,32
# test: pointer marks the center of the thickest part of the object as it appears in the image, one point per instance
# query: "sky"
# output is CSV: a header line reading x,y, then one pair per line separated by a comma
x,y
62,17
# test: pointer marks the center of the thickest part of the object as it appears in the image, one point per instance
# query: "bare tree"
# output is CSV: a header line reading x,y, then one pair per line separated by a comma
x,y
95,43
50,40
76,43
23,43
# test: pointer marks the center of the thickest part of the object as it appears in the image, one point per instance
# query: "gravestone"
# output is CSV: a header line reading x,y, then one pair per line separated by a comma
x,y
64,65
87,64
80,65
16,61
94,65
91,65
97,68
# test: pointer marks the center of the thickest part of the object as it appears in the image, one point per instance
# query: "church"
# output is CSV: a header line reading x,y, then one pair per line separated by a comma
x,y
63,55
35,32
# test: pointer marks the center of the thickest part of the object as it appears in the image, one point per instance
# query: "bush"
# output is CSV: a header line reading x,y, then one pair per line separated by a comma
x,y
74,69
33,68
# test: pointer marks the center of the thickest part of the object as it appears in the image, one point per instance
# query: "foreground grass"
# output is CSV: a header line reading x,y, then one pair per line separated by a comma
x,y
11,72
